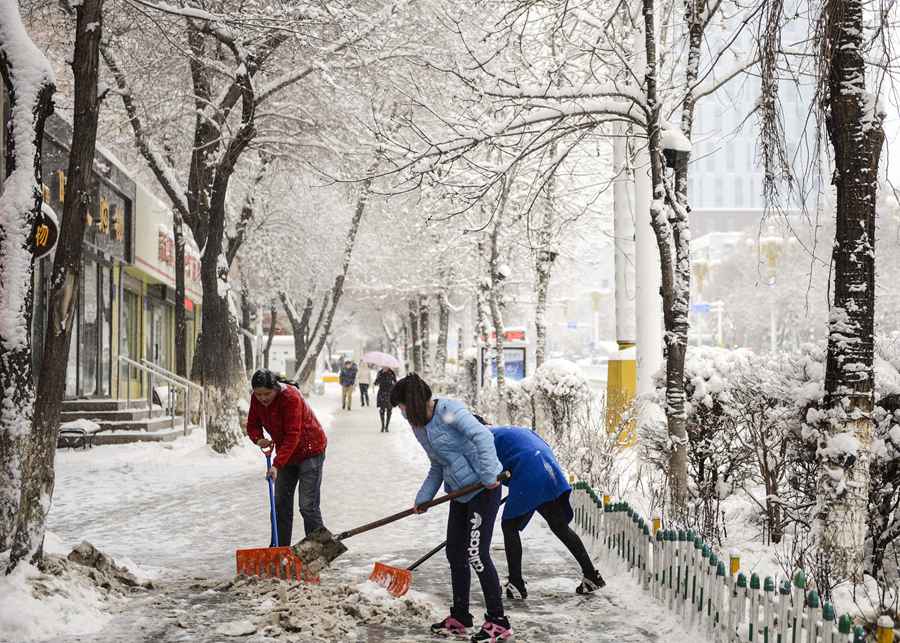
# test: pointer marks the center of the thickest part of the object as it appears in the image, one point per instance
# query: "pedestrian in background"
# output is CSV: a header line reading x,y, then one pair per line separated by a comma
x,y
348,381
385,383
364,378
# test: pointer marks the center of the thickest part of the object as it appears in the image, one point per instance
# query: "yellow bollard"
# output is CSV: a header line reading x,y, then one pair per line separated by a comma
x,y
735,564
605,500
657,524
885,631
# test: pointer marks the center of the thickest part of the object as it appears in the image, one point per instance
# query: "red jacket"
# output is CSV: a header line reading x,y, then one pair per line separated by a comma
x,y
290,423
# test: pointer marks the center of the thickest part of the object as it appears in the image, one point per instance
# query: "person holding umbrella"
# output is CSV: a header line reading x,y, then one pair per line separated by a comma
x,y
384,381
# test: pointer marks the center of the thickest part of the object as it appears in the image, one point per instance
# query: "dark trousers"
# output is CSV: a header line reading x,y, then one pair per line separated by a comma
x,y
470,527
385,413
556,513
364,395
307,475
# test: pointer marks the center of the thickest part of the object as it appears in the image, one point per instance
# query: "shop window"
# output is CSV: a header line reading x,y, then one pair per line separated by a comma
x,y
90,331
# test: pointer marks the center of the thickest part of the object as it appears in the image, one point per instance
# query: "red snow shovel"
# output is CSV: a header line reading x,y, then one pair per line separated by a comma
x,y
396,580
275,561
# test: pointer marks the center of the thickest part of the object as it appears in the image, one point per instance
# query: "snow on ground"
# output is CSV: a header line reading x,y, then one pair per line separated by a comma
x,y
180,512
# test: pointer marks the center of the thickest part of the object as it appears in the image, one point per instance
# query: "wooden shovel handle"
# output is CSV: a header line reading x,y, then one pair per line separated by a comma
x,y
436,549
505,475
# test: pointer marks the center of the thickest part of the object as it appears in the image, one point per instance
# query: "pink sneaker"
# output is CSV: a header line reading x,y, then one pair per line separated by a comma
x,y
451,626
494,629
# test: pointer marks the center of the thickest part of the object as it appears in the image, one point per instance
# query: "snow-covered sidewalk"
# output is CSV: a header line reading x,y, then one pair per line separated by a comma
x,y
179,513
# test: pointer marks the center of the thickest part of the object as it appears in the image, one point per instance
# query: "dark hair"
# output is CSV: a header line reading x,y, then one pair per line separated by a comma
x,y
415,394
264,378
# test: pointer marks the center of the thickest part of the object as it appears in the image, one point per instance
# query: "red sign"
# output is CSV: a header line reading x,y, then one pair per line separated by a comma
x,y
188,304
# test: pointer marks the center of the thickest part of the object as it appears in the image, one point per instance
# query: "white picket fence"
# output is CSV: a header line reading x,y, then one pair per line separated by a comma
x,y
683,573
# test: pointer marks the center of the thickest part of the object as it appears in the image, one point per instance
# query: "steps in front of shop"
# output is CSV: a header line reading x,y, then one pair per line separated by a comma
x,y
121,421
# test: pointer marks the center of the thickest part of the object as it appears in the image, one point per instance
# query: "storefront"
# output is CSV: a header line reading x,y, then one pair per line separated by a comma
x,y
149,289
125,304
108,248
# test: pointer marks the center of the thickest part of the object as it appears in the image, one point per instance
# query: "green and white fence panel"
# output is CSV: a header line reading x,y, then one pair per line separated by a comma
x,y
684,574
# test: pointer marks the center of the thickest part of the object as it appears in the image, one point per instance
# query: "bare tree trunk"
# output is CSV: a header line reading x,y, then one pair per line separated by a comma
x,y
180,295
407,351
20,206
440,353
39,478
273,324
414,341
425,334
495,297
299,325
669,220
855,130
246,323
337,290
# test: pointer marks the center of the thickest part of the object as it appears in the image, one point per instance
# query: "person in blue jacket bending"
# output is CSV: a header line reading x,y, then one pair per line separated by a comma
x,y
461,451
537,484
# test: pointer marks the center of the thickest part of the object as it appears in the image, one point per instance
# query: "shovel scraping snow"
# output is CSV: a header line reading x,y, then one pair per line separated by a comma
x,y
321,547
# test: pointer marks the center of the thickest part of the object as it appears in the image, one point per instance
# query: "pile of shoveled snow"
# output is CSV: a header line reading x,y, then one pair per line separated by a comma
x,y
63,595
310,612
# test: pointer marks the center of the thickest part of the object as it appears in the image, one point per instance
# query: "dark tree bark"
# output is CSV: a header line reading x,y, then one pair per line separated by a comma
x,y
273,325
246,324
180,295
425,334
39,479
856,134
440,352
414,341
668,217
18,215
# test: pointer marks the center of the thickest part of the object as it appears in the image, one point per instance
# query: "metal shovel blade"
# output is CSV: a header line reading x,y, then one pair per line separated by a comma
x,y
317,550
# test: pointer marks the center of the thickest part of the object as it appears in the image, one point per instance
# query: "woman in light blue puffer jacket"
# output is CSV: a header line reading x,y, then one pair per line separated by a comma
x,y
461,450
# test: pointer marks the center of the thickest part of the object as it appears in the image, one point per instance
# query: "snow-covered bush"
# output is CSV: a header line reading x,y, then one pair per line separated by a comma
x,y
561,394
718,460
558,403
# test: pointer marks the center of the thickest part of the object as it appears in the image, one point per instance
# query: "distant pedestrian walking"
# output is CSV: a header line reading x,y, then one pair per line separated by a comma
x,y
348,381
364,378
385,383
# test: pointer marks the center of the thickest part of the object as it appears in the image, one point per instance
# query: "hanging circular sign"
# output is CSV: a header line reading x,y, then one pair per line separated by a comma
x,y
45,232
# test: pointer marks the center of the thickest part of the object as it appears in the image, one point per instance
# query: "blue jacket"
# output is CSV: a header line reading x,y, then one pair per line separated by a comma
x,y
536,475
461,450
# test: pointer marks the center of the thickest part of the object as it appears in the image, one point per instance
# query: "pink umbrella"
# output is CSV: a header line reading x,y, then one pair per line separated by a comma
x,y
381,359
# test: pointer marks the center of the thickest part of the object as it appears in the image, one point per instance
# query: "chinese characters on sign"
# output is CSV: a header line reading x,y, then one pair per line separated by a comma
x,y
166,254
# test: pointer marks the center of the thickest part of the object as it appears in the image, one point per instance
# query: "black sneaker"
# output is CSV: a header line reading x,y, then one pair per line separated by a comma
x,y
452,626
515,590
590,583
495,628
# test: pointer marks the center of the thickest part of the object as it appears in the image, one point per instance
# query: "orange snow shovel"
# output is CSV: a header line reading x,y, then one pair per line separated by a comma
x,y
396,580
275,561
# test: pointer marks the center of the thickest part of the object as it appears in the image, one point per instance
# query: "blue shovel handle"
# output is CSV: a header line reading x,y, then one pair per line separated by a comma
x,y
272,513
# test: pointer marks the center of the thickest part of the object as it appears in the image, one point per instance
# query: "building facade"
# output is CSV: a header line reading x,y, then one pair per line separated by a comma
x,y
125,304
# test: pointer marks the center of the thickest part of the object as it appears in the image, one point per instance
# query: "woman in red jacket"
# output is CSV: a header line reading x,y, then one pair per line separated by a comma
x,y
299,443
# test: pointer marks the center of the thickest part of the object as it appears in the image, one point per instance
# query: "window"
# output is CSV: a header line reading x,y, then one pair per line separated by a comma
x,y
739,192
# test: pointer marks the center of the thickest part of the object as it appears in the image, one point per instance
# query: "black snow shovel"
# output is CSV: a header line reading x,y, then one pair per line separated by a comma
x,y
321,547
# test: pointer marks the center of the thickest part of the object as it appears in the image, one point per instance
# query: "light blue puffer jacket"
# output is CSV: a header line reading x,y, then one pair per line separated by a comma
x,y
461,450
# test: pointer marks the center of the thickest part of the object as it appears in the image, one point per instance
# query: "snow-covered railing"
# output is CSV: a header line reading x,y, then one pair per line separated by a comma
x,y
684,574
